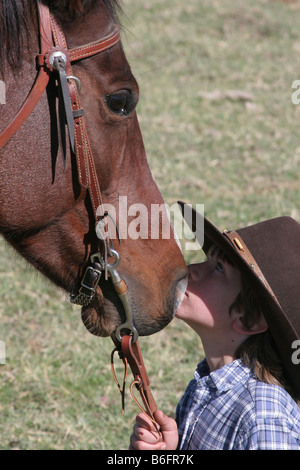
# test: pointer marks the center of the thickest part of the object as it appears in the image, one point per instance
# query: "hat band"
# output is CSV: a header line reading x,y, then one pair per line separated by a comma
x,y
245,253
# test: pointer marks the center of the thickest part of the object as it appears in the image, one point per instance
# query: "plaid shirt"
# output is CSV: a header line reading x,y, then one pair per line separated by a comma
x,y
231,409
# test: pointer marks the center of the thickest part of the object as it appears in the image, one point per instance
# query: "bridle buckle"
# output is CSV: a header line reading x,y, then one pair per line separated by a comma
x,y
88,287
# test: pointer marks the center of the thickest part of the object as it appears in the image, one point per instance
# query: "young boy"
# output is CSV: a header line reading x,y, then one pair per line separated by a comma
x,y
244,303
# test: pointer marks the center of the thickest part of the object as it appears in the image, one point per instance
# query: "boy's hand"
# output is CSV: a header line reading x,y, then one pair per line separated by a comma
x,y
146,437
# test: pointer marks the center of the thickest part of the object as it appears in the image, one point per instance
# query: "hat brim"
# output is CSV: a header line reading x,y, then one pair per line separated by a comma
x,y
279,325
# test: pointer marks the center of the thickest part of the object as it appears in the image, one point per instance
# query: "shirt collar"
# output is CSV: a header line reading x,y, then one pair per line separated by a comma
x,y
224,378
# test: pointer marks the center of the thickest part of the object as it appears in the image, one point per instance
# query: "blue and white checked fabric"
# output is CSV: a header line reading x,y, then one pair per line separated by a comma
x,y
230,409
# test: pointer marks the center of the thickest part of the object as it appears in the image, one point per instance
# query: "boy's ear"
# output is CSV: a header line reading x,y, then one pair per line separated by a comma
x,y
260,326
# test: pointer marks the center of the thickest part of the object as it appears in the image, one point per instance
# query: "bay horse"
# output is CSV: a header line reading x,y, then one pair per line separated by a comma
x,y
48,205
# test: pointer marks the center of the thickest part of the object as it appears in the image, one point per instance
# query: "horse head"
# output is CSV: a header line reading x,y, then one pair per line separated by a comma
x,y
47,214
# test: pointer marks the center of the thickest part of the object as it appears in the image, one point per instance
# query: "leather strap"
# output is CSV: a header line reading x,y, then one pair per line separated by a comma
x,y
82,52
133,355
81,141
245,253
85,162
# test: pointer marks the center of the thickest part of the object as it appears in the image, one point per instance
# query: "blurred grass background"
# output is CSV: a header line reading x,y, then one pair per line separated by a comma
x,y
220,129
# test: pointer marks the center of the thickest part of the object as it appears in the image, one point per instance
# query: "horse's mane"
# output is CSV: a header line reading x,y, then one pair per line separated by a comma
x,y
15,20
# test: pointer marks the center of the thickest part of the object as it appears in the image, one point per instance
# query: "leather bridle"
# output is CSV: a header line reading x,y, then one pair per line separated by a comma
x,y
56,57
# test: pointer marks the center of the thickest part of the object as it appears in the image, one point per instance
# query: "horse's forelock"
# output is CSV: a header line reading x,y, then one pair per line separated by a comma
x,y
14,27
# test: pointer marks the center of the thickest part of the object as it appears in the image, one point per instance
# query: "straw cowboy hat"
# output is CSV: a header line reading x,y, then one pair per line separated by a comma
x,y
268,256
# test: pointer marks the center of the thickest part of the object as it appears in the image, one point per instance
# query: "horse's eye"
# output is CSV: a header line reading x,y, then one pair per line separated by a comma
x,y
121,102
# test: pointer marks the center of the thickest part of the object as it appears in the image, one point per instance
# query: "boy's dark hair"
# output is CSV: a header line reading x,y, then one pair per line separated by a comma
x,y
259,351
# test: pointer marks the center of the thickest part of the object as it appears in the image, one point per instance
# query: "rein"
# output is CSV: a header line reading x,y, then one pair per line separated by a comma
x,y
55,57
130,353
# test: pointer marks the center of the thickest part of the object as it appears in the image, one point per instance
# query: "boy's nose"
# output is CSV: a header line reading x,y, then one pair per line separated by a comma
x,y
196,271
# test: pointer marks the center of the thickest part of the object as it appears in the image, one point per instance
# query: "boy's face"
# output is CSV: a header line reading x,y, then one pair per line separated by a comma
x,y
212,287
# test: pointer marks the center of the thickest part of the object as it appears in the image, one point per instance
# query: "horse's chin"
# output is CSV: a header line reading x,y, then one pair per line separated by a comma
x,y
96,323
102,317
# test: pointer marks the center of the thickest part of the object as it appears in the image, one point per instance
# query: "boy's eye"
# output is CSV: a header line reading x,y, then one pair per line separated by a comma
x,y
219,267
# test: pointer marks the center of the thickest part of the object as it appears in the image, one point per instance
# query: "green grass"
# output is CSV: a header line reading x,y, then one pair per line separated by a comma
x,y
239,158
